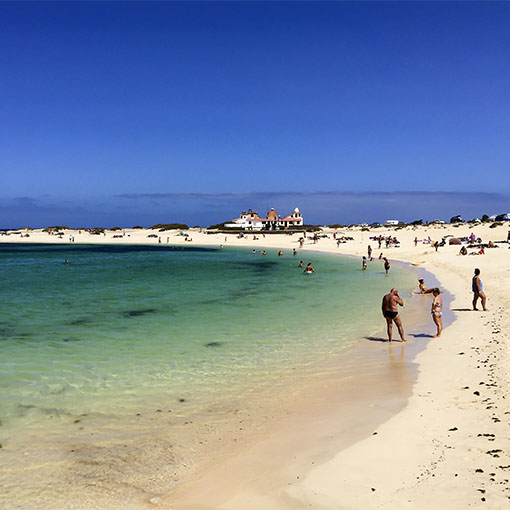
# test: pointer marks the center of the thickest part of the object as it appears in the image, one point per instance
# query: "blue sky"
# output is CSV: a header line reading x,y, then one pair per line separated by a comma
x,y
139,112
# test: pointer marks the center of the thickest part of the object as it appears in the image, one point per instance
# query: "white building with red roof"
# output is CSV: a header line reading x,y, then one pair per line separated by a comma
x,y
250,220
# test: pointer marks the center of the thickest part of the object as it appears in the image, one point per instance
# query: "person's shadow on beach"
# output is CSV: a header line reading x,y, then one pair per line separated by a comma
x,y
461,309
376,339
421,335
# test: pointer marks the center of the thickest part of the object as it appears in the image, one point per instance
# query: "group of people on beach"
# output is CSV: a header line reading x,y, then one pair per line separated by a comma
x,y
392,301
365,259
389,241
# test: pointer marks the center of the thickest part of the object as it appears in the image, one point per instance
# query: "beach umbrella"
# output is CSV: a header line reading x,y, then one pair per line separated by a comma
x,y
454,240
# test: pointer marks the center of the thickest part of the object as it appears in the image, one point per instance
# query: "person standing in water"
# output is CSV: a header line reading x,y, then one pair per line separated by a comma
x,y
478,292
390,304
364,266
386,265
437,311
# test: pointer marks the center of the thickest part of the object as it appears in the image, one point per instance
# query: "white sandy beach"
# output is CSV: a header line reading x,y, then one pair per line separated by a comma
x,y
448,448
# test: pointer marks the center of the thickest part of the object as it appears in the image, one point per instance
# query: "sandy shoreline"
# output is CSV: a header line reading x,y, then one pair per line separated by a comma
x,y
449,447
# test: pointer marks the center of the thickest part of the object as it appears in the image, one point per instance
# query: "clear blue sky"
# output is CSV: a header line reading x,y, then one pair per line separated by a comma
x,y
103,100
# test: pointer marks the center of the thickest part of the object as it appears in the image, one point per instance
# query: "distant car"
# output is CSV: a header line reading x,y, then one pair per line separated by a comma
x,y
457,219
363,224
503,217
441,222
476,220
391,222
375,224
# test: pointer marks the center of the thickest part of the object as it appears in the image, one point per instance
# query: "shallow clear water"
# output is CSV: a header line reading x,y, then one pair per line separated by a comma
x,y
121,328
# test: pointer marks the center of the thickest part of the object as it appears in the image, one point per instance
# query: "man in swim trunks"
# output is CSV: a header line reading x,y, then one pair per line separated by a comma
x,y
386,265
437,311
390,303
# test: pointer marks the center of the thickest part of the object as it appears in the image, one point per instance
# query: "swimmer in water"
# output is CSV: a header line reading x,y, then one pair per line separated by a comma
x,y
309,268
364,266
300,263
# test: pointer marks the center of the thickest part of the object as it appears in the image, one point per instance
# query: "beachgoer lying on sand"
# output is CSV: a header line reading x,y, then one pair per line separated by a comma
x,y
463,251
480,252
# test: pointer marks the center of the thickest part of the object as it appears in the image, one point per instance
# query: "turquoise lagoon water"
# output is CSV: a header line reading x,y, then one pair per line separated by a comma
x,y
124,328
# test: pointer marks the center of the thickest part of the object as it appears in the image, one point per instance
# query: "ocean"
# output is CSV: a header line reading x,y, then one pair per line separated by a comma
x,y
120,333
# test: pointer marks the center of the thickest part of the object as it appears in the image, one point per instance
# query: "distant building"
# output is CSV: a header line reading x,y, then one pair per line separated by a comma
x,y
250,220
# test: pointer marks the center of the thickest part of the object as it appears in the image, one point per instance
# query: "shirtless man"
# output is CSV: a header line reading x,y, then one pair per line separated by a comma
x,y
390,304
386,265
309,268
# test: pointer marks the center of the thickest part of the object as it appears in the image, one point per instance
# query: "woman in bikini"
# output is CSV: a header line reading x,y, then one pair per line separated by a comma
x,y
423,289
437,311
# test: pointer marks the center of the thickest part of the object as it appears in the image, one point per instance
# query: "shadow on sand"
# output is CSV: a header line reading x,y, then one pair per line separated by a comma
x,y
461,310
376,339
421,335
385,340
